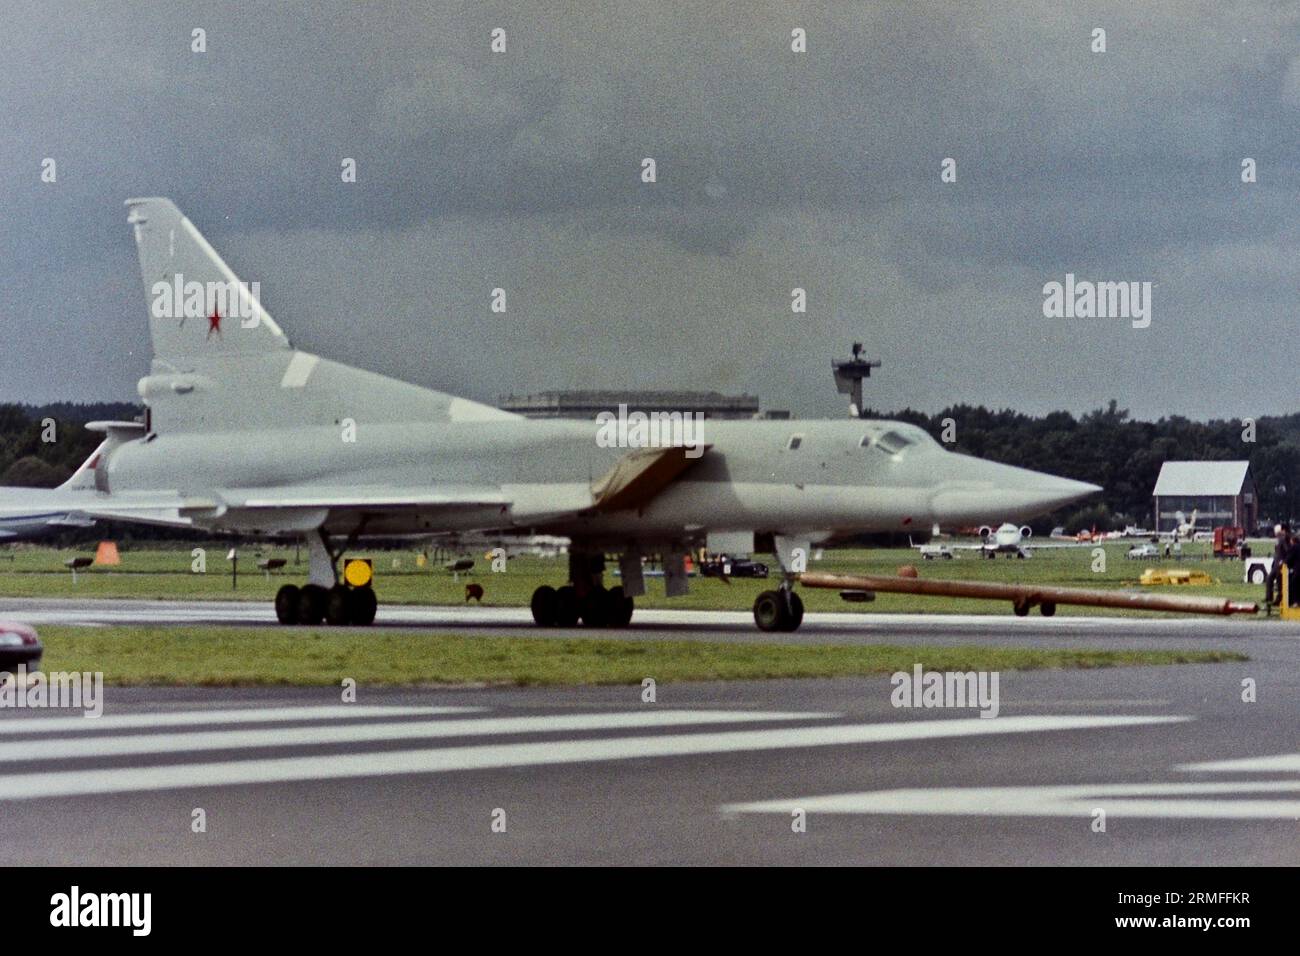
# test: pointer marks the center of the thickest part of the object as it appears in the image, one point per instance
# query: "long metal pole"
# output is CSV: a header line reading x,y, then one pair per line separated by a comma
x,y
1030,594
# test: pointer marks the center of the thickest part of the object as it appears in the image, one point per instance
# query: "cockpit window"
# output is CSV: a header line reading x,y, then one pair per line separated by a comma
x,y
795,442
892,442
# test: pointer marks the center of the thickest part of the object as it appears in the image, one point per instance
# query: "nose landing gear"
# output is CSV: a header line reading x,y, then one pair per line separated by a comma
x,y
780,610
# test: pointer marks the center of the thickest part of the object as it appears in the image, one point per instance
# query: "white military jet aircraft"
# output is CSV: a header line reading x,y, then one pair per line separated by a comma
x,y
246,433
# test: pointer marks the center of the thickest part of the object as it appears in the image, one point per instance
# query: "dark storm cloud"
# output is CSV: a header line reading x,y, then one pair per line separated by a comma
x,y
776,170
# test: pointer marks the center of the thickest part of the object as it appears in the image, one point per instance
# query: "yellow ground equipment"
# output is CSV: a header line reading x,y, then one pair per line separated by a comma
x,y
1287,612
1153,576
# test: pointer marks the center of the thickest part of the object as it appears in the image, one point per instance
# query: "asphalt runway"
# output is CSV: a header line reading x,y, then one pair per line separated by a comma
x,y
1171,760
650,624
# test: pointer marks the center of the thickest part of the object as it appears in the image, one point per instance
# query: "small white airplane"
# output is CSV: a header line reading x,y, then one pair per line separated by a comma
x,y
1006,538
1184,527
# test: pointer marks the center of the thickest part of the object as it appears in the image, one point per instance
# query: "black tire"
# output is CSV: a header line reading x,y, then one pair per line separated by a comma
x,y
338,606
364,605
594,608
1047,609
794,614
769,611
311,604
286,604
566,607
543,606
1021,608
620,607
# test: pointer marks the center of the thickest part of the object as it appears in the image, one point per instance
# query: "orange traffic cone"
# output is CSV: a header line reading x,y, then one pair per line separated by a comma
x,y
106,553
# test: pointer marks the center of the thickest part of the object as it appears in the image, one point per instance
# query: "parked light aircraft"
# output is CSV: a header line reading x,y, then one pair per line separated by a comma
x,y
1184,527
245,433
1007,538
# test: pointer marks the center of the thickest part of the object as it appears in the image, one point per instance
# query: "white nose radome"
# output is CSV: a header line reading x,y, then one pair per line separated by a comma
x,y
1005,493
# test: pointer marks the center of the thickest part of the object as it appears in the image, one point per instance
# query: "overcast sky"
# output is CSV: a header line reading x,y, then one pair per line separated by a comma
x,y
776,170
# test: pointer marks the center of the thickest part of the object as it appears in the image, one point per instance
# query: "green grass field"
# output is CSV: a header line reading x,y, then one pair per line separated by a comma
x,y
217,656
27,571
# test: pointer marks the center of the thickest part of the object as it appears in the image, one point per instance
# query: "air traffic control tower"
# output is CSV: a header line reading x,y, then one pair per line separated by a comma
x,y
849,374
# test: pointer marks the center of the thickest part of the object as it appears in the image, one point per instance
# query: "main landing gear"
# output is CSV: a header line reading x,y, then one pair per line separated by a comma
x,y
325,598
337,604
585,600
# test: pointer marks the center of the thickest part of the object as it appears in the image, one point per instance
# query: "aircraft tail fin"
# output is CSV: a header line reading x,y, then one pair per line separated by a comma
x,y
88,477
83,479
197,305
221,363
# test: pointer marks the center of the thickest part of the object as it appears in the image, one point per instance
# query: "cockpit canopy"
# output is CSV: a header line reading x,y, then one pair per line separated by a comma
x,y
893,438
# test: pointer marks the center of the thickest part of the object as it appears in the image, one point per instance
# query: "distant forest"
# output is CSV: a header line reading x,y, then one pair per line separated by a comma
x,y
1105,447
27,459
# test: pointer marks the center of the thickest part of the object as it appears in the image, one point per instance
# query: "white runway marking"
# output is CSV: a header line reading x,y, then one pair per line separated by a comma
x,y
492,756
199,718
1151,800
1281,763
97,746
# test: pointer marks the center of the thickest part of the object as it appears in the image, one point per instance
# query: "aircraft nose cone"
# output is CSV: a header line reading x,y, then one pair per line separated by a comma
x,y
1055,492
993,491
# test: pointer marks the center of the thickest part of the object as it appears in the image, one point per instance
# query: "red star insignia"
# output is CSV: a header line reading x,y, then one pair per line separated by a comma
x,y
214,323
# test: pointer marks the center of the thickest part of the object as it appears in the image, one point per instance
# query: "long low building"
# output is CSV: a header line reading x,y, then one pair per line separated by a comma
x,y
590,402
1222,493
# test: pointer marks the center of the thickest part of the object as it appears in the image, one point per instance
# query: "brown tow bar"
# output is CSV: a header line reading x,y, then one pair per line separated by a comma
x,y
1025,596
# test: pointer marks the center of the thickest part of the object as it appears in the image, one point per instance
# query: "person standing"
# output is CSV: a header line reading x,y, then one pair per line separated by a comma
x,y
1281,545
1292,561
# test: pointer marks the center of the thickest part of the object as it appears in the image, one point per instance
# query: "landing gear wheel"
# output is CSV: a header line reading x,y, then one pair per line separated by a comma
x,y
620,608
338,606
544,606
1047,609
364,604
311,604
286,604
769,611
1021,608
594,608
566,607
794,612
